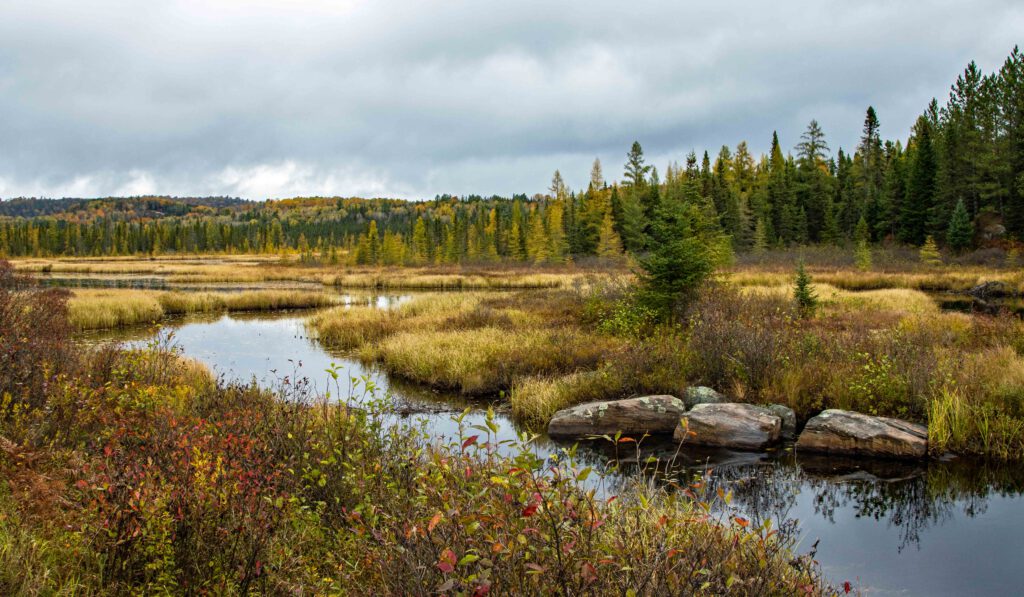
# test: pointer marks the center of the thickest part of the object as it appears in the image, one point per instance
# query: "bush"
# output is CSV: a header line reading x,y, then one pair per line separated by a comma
x,y
737,342
34,337
231,490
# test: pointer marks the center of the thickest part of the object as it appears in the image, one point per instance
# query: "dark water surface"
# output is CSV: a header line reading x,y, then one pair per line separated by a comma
x,y
933,528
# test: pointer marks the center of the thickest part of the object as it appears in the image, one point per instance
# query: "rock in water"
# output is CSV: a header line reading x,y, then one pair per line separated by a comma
x,y
701,395
730,425
788,420
846,432
632,416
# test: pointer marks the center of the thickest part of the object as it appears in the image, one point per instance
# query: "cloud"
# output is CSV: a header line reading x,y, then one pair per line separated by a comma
x,y
411,98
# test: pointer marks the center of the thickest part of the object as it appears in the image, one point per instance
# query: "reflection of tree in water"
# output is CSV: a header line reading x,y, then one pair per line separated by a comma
x,y
909,496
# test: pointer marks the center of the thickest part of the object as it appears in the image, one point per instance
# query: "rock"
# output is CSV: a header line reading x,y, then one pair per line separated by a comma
x,y
730,425
993,231
701,395
846,432
788,420
632,416
989,289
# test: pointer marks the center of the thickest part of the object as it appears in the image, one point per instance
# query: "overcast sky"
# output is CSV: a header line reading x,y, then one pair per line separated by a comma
x,y
410,98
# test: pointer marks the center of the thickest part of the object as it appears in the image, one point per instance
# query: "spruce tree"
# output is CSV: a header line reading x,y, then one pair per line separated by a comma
x,y
636,170
929,252
803,292
685,250
961,232
919,205
609,245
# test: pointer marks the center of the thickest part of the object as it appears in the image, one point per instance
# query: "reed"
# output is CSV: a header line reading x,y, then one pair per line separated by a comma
x,y
485,360
92,309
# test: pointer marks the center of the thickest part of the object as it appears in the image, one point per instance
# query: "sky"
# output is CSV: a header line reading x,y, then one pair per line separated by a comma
x,y
413,98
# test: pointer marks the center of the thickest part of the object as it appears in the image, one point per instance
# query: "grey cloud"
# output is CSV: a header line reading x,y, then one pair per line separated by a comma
x,y
413,98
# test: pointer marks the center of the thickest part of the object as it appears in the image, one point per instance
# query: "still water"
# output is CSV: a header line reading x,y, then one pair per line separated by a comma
x,y
934,528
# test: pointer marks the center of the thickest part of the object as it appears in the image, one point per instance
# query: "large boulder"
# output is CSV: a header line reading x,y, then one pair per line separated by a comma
x,y
846,432
788,420
730,425
632,416
701,395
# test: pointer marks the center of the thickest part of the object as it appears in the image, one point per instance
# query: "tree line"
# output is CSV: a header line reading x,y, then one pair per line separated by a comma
x,y
956,181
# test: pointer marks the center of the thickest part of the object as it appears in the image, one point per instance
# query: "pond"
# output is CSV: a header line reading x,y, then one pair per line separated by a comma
x,y
938,528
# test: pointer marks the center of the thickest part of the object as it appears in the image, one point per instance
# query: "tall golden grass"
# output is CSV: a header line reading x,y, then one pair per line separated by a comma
x,y
268,268
952,279
487,359
91,309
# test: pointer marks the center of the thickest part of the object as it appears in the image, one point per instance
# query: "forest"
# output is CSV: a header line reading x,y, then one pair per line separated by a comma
x,y
957,181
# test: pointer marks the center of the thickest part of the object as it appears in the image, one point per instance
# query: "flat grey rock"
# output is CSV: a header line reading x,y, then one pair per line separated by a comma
x,y
730,425
847,432
632,416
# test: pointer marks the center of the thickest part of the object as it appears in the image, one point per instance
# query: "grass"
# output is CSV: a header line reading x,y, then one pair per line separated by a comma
x,y
266,268
134,472
101,309
484,360
878,342
940,279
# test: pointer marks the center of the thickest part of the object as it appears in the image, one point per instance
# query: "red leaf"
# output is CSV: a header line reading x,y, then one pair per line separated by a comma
x,y
481,590
588,572
446,563
623,440
469,441
846,586
743,522
530,510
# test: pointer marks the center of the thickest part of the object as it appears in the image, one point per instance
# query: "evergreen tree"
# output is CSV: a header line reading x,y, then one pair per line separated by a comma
x,y
929,252
920,198
685,251
636,170
557,247
803,292
870,165
609,245
538,247
961,232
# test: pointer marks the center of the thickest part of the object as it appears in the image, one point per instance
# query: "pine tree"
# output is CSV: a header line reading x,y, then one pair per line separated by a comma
x,y
538,246
420,243
684,252
633,224
919,204
636,170
929,252
803,292
760,237
596,176
557,247
558,190
870,163
609,245
961,232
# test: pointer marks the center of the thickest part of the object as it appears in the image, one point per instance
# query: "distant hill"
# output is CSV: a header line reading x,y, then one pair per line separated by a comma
x,y
128,207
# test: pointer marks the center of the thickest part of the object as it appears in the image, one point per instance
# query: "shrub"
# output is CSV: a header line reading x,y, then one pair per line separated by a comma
x,y
34,336
737,342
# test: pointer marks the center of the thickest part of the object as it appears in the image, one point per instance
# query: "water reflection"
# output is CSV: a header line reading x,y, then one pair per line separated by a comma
x,y
941,527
